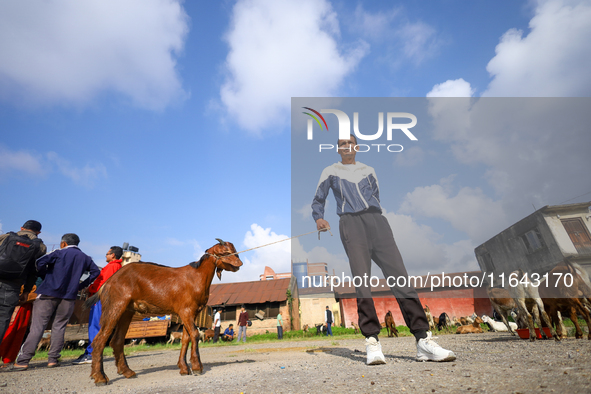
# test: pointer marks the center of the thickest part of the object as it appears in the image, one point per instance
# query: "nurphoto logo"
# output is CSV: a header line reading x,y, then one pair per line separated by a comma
x,y
345,129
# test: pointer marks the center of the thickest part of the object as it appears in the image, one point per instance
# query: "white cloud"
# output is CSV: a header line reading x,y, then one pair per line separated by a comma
x,y
410,157
420,41
534,150
416,41
69,52
20,161
422,250
378,26
552,60
466,211
276,256
85,176
455,88
279,50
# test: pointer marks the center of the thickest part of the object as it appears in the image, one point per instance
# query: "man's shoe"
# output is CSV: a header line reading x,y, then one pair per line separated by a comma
x,y
429,350
83,359
374,352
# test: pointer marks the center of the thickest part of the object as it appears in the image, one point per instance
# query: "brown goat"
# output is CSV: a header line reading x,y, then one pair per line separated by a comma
x,y
391,325
566,299
432,325
502,303
473,328
208,335
174,336
355,326
152,288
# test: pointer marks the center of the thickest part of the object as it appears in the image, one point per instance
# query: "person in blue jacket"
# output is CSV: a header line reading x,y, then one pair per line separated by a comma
x,y
62,270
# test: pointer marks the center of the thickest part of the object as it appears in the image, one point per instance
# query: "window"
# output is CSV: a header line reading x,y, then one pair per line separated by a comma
x,y
578,234
533,240
229,313
271,309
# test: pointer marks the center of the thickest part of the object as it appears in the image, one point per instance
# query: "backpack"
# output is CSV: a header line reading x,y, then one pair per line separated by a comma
x,y
16,252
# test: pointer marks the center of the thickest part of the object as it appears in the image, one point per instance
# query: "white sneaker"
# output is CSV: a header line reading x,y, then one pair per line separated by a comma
x,y
374,352
429,350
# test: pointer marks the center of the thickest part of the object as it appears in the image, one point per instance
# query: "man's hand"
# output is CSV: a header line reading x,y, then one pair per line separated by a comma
x,y
23,297
322,224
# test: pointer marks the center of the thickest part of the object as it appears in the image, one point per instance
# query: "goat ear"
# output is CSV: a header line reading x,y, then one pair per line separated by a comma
x,y
219,273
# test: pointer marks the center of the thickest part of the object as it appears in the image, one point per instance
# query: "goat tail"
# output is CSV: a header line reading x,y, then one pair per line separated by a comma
x,y
93,300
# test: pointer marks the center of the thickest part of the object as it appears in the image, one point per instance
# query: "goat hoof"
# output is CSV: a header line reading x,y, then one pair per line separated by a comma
x,y
98,384
198,372
184,373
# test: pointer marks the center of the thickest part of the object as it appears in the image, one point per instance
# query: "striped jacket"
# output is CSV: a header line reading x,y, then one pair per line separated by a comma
x,y
355,187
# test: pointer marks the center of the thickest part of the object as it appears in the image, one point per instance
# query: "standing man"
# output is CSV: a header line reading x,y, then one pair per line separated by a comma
x,y
113,265
61,270
242,323
18,252
366,235
217,324
279,326
328,321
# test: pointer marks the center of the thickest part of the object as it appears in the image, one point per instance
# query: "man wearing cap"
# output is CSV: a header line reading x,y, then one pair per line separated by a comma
x,y
10,288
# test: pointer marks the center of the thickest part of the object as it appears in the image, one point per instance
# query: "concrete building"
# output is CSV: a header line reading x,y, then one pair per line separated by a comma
x,y
269,274
316,272
313,303
538,242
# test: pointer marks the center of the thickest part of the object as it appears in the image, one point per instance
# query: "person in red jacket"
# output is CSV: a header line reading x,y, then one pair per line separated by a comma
x,y
113,265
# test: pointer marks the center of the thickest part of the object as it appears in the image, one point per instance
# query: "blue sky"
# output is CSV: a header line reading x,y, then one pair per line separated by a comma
x,y
166,124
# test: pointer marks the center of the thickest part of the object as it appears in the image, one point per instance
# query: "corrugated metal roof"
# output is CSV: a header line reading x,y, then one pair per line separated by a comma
x,y
256,292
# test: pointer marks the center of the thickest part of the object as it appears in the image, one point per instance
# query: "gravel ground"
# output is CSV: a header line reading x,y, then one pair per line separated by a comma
x,y
489,362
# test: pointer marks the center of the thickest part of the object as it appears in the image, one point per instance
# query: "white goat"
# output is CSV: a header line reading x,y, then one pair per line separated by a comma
x,y
498,325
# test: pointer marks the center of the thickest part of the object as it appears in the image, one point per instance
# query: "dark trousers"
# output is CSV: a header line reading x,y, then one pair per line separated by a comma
x,y
366,237
9,294
216,334
279,332
43,309
329,329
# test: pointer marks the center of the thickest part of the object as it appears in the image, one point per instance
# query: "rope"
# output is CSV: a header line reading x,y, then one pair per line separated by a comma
x,y
286,239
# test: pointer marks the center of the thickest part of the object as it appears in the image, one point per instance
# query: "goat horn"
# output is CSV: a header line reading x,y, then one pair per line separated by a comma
x,y
220,241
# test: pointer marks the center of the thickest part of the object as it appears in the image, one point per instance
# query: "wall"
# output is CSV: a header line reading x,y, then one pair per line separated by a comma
x,y
508,252
261,326
312,309
453,302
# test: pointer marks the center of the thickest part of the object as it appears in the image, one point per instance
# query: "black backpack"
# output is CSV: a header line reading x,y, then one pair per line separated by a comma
x,y
16,252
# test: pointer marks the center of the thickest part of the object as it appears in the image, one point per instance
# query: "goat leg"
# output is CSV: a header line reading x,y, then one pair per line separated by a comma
x,y
97,370
196,364
182,363
118,344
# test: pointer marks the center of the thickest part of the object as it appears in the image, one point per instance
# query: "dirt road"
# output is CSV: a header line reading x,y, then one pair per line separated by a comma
x,y
490,362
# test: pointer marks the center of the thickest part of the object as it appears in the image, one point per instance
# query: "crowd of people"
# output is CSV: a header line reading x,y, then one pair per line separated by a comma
x,y
56,279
